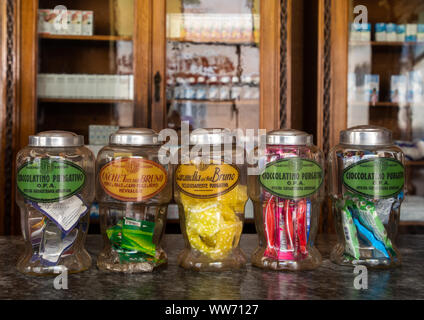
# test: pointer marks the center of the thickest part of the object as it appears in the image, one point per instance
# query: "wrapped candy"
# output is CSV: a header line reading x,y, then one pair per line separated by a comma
x,y
288,190
212,198
366,187
55,189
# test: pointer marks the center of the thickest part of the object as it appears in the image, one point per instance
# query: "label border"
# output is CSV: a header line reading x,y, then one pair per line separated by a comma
x,y
120,159
287,160
210,196
372,160
59,198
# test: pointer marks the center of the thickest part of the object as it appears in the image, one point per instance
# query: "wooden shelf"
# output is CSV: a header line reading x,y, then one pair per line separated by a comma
x,y
378,104
216,43
384,44
64,100
414,163
252,101
84,38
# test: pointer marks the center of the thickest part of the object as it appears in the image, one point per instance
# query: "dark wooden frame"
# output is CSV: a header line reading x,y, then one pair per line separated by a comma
x,y
9,55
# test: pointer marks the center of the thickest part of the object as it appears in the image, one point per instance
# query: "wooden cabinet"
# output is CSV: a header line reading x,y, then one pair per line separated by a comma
x,y
242,46
371,72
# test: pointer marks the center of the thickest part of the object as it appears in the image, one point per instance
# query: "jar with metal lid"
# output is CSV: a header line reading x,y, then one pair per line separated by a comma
x,y
367,188
287,195
211,192
55,189
133,191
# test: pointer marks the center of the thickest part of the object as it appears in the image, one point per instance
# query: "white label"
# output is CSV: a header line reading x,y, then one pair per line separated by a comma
x,y
64,213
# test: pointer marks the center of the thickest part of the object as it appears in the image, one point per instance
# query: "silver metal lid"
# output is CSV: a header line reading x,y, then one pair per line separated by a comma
x,y
289,137
366,136
134,137
211,136
56,139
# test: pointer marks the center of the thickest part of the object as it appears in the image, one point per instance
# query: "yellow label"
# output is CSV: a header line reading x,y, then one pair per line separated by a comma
x,y
133,179
206,181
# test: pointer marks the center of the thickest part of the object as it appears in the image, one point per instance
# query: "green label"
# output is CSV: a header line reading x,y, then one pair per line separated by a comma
x,y
49,180
375,178
292,178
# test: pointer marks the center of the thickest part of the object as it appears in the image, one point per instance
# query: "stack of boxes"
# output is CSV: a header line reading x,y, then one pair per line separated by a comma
x,y
388,32
85,86
407,88
65,22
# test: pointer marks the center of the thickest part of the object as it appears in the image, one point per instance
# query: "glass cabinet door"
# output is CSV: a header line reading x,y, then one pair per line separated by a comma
x,y
213,63
386,83
85,67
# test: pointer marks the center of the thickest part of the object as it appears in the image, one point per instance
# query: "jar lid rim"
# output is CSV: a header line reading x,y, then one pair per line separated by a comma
x,y
366,135
134,137
289,137
56,138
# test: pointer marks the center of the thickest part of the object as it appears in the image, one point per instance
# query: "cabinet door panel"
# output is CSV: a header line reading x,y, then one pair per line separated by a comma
x,y
215,64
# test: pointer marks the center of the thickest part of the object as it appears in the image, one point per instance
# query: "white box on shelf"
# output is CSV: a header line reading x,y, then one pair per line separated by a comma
x,y
124,87
87,23
99,135
91,88
115,86
51,86
41,26
49,20
391,32
101,86
420,32
380,32
61,86
400,32
398,88
366,32
411,32
80,90
71,86
41,85
130,87
415,86
74,22
372,87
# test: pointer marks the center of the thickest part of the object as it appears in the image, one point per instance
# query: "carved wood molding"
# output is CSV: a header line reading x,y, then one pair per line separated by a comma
x,y
327,78
8,101
283,62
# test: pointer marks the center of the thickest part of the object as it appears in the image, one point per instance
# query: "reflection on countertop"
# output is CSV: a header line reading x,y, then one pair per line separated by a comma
x,y
327,282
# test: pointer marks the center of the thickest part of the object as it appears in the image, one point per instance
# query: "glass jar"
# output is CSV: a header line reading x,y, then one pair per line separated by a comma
x,y
133,191
55,189
287,196
211,193
366,188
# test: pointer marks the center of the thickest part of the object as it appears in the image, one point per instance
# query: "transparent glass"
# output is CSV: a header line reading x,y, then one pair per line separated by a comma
x,y
286,227
39,230
85,67
213,57
354,214
138,254
385,84
211,200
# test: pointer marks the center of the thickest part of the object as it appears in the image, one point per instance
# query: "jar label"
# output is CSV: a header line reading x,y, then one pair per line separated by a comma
x,y
133,179
206,180
292,178
50,180
375,178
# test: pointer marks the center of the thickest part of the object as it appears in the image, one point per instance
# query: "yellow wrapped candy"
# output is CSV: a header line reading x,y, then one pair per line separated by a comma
x,y
213,227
